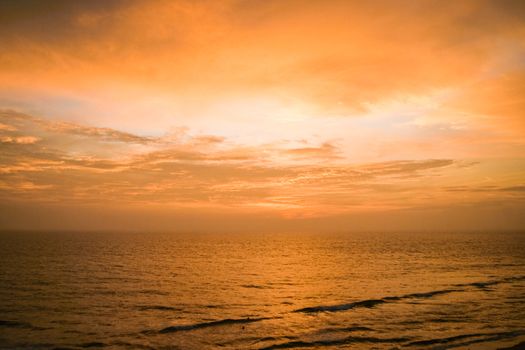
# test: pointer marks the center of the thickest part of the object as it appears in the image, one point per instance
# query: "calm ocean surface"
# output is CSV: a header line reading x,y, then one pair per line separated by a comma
x,y
355,291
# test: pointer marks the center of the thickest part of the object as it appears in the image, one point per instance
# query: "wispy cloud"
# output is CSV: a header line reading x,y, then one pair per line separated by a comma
x,y
203,171
326,151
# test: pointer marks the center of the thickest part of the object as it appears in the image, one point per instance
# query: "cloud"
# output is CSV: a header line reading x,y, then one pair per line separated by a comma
x,y
340,61
514,188
326,150
47,21
209,175
498,100
186,170
301,109
24,140
13,122
196,175
488,189
4,127
103,133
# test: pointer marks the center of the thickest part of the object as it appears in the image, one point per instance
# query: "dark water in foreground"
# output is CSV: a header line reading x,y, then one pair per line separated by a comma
x,y
366,291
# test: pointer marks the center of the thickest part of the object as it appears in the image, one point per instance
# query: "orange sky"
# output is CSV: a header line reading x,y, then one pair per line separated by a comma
x,y
262,115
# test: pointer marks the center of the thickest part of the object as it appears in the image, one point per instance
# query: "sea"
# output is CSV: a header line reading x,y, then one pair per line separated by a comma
x,y
78,290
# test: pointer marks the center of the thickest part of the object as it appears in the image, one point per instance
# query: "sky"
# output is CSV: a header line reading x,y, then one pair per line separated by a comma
x,y
285,115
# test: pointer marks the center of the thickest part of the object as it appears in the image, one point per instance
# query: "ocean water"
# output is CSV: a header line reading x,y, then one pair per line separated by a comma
x,y
262,291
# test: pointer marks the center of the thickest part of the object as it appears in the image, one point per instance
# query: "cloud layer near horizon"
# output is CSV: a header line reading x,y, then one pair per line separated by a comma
x,y
56,163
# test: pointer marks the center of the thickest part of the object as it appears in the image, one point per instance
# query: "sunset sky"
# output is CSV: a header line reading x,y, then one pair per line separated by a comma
x,y
262,115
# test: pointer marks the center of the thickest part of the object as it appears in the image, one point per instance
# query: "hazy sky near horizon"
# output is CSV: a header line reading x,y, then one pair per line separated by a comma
x,y
236,115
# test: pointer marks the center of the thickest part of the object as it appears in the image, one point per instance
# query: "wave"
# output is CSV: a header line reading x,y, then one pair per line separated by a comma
x,y
255,286
480,338
20,325
342,307
335,342
345,329
255,340
484,285
519,346
158,308
445,340
225,322
94,344
370,303
442,343
14,324
425,295
124,344
290,342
